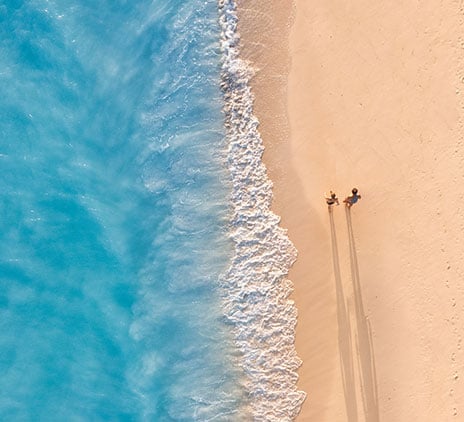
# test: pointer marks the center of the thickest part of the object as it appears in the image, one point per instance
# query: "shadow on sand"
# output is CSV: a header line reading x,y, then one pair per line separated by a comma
x,y
365,350
344,333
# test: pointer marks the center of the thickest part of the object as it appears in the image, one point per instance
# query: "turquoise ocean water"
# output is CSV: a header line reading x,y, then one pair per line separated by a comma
x,y
114,204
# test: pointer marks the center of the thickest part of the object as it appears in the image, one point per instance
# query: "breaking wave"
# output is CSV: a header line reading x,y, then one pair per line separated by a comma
x,y
257,291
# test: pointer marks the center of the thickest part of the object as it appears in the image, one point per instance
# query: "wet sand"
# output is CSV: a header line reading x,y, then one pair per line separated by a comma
x,y
363,94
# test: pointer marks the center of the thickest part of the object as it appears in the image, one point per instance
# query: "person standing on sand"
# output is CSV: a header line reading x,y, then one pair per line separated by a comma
x,y
352,199
331,200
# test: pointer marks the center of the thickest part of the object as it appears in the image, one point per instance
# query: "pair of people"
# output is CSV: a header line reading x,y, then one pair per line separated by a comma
x,y
349,200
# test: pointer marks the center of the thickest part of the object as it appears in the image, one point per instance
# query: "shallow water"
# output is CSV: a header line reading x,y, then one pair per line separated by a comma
x,y
115,202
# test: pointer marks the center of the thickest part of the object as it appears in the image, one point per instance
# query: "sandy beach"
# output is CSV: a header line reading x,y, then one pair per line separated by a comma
x,y
368,95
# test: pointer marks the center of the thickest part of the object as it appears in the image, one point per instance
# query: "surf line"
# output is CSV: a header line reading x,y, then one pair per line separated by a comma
x,y
256,290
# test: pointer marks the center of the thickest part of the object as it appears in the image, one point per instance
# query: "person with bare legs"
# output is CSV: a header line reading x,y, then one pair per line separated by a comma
x,y
352,199
331,200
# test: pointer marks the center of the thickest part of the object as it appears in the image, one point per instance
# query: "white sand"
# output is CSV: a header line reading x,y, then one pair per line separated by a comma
x,y
375,100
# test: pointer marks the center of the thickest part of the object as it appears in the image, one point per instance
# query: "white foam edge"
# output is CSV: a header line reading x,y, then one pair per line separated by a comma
x,y
256,298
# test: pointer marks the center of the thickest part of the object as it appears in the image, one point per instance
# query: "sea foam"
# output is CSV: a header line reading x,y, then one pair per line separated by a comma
x,y
257,290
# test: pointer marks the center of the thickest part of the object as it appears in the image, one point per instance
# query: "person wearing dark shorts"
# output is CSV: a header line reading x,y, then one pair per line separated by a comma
x,y
332,200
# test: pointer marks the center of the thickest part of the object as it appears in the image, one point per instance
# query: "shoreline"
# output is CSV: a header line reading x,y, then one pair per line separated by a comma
x,y
374,101
269,55
256,294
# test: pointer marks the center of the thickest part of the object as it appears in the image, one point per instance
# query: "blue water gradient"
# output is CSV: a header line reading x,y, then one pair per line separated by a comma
x,y
114,202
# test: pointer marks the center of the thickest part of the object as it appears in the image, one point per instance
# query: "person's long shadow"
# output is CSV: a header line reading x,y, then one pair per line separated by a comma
x,y
344,333
366,360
